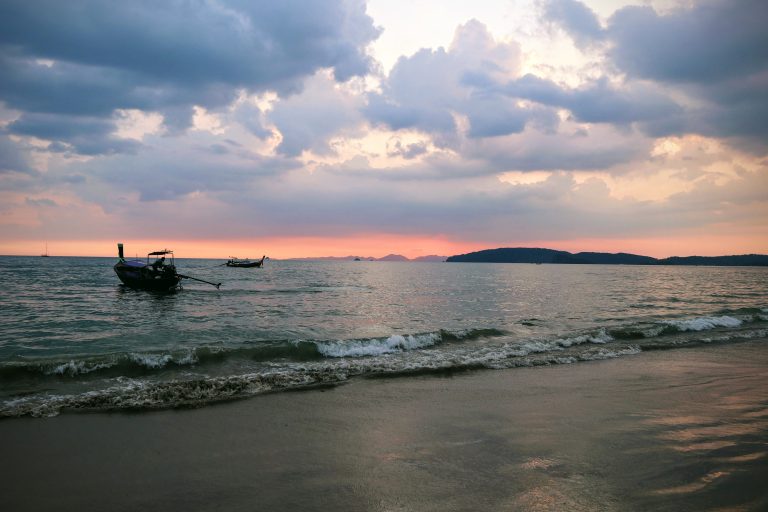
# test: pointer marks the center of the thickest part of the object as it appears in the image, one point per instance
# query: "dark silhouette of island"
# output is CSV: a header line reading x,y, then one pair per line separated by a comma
x,y
537,255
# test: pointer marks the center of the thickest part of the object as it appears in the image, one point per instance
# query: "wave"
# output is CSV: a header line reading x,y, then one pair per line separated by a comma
x,y
141,395
140,363
135,364
143,380
734,319
704,323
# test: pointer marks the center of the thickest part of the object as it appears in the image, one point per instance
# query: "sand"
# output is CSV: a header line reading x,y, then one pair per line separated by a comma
x,y
682,429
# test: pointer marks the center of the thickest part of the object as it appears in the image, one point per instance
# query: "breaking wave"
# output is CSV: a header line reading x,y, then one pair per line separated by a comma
x,y
209,374
140,363
141,394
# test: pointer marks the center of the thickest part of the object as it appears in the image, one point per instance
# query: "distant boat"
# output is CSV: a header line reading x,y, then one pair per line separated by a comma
x,y
246,263
46,251
159,275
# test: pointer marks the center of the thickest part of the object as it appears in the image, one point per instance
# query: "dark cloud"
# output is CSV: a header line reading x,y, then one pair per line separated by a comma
x,y
12,159
711,41
408,151
595,150
83,135
252,119
712,54
90,58
598,101
576,18
494,116
159,174
256,44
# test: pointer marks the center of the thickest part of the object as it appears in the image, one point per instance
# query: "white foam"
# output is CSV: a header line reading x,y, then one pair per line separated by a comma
x,y
705,323
610,354
600,337
153,361
77,368
377,346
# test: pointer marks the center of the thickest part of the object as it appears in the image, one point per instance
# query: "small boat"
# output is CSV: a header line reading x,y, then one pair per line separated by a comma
x,y
46,251
246,263
158,275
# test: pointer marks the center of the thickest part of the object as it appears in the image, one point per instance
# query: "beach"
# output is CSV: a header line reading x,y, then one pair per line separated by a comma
x,y
663,430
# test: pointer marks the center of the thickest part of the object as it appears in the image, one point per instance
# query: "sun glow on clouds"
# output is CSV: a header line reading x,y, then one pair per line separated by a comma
x,y
135,124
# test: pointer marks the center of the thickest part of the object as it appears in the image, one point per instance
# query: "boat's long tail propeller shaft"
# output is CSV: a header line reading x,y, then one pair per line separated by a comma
x,y
217,285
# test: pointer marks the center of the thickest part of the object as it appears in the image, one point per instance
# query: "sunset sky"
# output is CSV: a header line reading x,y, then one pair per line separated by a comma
x,y
338,127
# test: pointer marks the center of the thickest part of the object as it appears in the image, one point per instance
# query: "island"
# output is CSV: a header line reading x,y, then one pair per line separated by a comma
x,y
539,255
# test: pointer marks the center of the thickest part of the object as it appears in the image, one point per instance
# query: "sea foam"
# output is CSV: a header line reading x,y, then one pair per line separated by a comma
x,y
704,323
377,346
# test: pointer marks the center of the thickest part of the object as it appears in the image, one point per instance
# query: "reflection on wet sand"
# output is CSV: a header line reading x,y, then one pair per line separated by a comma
x,y
693,486
724,443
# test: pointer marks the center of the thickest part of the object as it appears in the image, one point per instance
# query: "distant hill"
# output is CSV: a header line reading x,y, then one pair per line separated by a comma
x,y
517,255
755,260
537,255
393,257
430,258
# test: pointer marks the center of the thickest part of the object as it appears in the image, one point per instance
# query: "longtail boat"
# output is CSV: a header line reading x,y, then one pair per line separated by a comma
x,y
160,275
246,263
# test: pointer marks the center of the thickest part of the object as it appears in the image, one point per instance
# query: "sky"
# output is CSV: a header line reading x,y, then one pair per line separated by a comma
x,y
344,127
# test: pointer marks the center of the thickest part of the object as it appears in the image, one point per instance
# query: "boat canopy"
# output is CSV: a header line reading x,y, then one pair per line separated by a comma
x,y
160,253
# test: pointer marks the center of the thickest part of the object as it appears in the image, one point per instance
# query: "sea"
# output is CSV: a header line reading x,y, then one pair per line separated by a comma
x,y
73,338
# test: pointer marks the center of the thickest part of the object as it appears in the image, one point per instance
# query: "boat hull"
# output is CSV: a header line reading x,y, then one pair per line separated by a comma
x,y
146,278
244,265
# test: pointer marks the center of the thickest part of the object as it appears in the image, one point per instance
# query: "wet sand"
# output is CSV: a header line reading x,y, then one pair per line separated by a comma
x,y
682,429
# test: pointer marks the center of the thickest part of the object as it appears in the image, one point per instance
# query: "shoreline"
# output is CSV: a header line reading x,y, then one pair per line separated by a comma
x,y
682,429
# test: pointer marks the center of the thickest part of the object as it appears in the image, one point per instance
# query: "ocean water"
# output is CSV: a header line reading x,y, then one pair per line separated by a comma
x,y
73,338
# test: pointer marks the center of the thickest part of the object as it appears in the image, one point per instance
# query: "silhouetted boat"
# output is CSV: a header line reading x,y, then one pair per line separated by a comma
x,y
46,251
246,263
159,275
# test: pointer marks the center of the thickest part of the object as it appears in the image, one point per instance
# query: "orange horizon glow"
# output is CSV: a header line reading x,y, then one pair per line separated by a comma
x,y
379,245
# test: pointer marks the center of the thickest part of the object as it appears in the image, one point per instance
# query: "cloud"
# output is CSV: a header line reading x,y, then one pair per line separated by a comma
x,y
395,147
578,20
428,89
11,158
83,135
573,148
711,56
253,119
711,41
597,101
90,58
307,121
484,210
162,176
